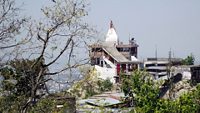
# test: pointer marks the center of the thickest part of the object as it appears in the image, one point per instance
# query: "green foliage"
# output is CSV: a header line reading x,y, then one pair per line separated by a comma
x,y
12,103
189,60
90,91
8,85
54,104
15,104
186,103
166,106
18,83
90,84
104,85
86,86
21,78
43,106
7,73
146,91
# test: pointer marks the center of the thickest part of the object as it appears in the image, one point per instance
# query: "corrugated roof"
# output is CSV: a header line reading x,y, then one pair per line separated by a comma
x,y
103,101
112,51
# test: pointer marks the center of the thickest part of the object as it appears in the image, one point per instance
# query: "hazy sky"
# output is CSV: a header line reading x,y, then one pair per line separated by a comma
x,y
166,24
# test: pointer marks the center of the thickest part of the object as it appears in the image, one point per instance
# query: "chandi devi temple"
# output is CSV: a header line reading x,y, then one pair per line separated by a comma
x,y
112,57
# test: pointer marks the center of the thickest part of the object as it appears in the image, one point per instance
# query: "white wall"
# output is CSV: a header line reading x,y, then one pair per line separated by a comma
x,y
104,73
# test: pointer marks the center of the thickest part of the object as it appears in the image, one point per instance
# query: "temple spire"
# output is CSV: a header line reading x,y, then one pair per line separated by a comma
x,y
111,36
111,24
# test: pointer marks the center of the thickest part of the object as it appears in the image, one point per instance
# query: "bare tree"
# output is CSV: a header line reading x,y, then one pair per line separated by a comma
x,y
10,24
56,44
62,38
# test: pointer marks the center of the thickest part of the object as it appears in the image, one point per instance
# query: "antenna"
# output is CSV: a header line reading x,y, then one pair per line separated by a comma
x,y
156,54
170,55
170,77
169,65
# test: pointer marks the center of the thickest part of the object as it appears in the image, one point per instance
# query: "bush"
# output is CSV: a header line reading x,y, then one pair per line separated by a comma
x,y
90,85
105,85
146,93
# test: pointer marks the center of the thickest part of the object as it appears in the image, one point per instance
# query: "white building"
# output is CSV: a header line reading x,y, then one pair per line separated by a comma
x,y
110,58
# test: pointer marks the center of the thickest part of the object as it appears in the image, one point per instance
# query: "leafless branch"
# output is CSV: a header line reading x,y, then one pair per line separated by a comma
x,y
71,67
61,52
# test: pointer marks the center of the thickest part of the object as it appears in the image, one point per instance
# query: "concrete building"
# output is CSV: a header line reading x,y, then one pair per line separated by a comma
x,y
158,66
110,57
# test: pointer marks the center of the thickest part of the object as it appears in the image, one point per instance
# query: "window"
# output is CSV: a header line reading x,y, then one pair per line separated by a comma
x,y
126,49
149,65
162,64
101,63
96,49
97,61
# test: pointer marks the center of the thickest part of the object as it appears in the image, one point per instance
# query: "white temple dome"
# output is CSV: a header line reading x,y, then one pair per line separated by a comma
x,y
111,36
